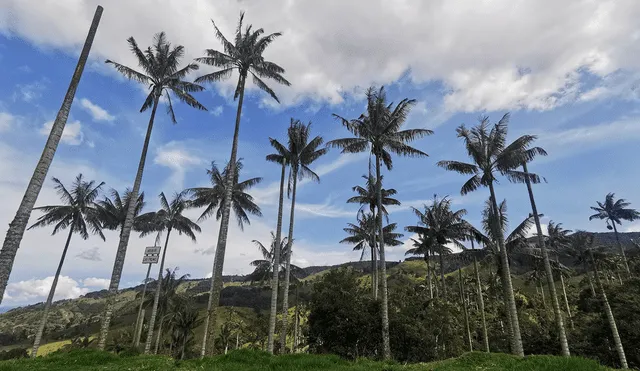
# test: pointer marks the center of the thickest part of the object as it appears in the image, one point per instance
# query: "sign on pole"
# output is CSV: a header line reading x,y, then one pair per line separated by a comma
x,y
151,255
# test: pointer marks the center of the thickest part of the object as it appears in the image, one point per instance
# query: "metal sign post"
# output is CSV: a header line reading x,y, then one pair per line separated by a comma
x,y
151,255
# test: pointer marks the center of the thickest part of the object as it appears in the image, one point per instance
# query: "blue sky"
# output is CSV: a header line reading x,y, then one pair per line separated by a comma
x,y
575,90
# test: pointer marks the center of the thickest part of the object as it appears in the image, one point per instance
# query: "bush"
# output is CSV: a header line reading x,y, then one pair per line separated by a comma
x,y
15,353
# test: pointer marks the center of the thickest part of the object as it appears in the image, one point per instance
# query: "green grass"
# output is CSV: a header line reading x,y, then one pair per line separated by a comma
x,y
245,360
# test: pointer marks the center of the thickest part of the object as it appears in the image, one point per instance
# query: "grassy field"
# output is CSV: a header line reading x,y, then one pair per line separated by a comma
x,y
243,360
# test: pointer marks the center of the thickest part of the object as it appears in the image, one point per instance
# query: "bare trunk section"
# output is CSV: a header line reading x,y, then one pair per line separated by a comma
x,y
156,300
287,275
19,223
442,279
624,256
140,318
512,310
52,291
427,260
218,261
273,313
386,348
610,318
564,295
374,257
564,344
465,310
485,336
125,233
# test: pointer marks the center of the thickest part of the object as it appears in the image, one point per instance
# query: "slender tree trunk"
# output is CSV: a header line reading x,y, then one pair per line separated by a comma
x,y
21,219
544,299
465,311
184,345
624,256
140,320
159,335
610,318
485,336
125,233
218,261
586,272
619,277
516,339
564,344
52,291
296,323
273,313
427,260
435,278
374,257
386,348
156,299
564,295
287,275
442,279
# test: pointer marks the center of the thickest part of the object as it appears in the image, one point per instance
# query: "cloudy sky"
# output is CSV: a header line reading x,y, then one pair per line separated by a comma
x,y
568,72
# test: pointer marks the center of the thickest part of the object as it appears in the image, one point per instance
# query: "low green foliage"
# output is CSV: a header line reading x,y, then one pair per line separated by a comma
x,y
245,360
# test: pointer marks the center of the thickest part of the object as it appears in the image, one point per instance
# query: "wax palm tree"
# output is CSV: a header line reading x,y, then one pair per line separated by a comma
x,y
525,177
212,198
423,246
614,212
595,255
282,156
379,132
244,55
367,196
303,152
183,323
362,235
266,265
490,154
581,242
558,239
168,219
161,72
80,213
442,226
21,219
170,300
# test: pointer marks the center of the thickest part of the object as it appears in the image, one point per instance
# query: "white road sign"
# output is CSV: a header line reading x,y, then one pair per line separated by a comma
x,y
152,250
150,259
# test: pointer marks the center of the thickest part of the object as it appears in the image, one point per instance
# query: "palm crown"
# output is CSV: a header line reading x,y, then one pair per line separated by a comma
x,y
264,266
300,151
161,72
362,234
494,225
243,55
367,195
79,210
379,129
439,224
170,218
490,154
213,197
557,237
114,210
614,211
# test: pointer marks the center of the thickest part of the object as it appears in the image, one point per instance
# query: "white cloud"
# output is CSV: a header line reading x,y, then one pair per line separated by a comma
x,y
7,121
525,60
98,283
35,290
179,159
92,254
29,92
72,134
97,113
216,111
326,210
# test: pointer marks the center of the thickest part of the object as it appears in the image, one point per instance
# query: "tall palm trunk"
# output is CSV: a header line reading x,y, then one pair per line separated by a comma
x,y
125,233
427,260
465,310
512,310
386,348
273,313
21,219
374,257
544,298
485,336
156,299
218,261
442,279
52,291
609,313
287,274
564,344
140,318
588,274
564,295
159,335
624,256
296,322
